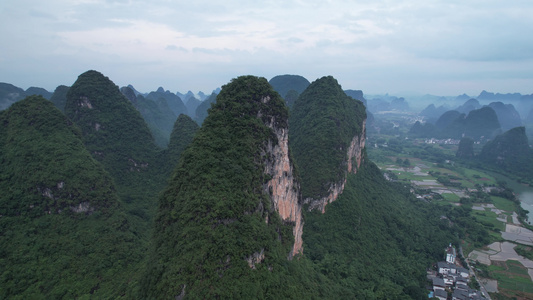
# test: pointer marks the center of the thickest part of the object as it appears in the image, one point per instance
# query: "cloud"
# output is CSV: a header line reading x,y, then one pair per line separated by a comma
x,y
380,45
175,48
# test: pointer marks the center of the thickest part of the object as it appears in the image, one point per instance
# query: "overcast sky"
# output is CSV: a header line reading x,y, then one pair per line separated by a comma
x,y
439,47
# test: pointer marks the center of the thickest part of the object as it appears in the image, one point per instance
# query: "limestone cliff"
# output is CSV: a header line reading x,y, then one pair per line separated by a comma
x,y
231,213
354,158
327,139
283,187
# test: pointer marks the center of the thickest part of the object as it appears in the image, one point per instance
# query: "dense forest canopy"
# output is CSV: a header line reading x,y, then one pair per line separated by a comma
x,y
283,84
214,213
92,208
64,232
323,122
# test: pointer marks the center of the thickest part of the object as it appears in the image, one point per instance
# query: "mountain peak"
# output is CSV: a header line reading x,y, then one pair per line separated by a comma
x,y
220,217
327,137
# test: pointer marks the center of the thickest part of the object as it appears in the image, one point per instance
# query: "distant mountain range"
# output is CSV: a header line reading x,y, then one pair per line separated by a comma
x,y
91,208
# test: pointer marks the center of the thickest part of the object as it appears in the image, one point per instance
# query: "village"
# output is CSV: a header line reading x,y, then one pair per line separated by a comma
x,y
451,278
456,278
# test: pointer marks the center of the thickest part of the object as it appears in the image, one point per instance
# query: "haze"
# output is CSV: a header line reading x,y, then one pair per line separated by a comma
x,y
436,47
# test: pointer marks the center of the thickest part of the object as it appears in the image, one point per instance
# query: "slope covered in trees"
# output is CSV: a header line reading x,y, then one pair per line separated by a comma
x,y
59,97
116,135
482,122
478,124
182,135
217,233
510,151
376,240
466,148
156,113
174,101
507,115
289,87
64,234
121,143
203,108
10,94
323,123
76,225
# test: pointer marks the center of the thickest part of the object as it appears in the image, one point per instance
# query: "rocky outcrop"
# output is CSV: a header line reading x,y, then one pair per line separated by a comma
x,y
283,188
82,207
354,158
355,151
255,258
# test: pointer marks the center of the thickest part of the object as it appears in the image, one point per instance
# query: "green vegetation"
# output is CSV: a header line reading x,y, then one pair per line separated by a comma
x,y
122,144
478,124
203,108
466,148
450,197
173,101
482,122
59,97
510,151
525,251
376,240
116,135
64,234
513,278
215,213
156,113
79,197
289,87
504,203
181,137
291,97
488,219
323,123
10,94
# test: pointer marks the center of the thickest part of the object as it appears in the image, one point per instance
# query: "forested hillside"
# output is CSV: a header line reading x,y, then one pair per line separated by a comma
x,y
92,208
116,135
510,151
479,124
289,87
217,232
59,97
156,113
64,233
376,240
323,122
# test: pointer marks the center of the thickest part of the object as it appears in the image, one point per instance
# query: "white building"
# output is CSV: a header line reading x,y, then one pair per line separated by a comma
x,y
450,254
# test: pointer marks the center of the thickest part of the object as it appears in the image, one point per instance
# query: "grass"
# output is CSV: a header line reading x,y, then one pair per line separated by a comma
x,y
450,197
503,204
479,177
488,219
513,276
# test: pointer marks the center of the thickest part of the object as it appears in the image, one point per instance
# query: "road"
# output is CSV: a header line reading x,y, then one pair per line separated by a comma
x,y
481,285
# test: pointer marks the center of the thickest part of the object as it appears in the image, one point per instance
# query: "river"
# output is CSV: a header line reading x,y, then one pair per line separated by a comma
x,y
526,199
523,192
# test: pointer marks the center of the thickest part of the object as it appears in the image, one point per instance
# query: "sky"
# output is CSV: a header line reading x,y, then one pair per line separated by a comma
x,y
398,47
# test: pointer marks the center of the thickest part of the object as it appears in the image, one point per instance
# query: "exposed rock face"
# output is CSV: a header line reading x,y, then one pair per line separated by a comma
x,y
283,187
355,151
255,258
232,206
82,207
84,102
354,158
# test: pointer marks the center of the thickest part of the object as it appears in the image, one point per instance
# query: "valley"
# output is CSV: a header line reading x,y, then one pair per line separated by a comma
x,y
495,201
232,202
